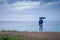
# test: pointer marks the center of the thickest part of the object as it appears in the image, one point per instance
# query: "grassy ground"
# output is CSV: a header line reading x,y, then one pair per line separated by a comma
x,y
20,37
29,35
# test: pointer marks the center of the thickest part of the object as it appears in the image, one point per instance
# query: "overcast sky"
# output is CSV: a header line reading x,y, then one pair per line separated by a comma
x,y
29,10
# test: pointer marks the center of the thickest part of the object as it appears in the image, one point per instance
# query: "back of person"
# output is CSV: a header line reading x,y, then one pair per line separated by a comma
x,y
40,25
40,21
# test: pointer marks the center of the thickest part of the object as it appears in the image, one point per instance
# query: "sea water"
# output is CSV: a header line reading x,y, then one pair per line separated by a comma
x,y
30,26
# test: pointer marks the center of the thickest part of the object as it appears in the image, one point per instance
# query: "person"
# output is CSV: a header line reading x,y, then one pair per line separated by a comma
x,y
40,25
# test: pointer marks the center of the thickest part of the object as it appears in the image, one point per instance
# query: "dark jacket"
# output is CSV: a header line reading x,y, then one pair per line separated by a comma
x,y
40,22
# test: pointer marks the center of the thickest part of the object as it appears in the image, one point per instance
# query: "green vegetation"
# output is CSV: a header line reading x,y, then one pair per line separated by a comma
x,y
8,30
21,37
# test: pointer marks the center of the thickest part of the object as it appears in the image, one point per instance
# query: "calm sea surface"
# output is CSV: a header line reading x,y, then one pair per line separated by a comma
x,y
48,26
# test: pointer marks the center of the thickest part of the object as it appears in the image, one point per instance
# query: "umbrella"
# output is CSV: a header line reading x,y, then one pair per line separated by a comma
x,y
42,17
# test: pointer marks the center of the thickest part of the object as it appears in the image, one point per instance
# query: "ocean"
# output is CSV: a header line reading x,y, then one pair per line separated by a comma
x,y
30,26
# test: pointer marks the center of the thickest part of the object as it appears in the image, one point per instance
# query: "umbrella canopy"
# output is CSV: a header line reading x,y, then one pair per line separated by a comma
x,y
42,17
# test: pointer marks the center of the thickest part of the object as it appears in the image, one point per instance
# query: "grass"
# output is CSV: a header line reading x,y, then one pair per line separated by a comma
x,y
21,37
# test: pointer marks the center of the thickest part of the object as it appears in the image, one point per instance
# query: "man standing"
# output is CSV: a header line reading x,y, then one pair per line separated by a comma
x,y
40,25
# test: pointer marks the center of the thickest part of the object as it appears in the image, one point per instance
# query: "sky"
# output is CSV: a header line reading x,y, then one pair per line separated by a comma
x,y
29,10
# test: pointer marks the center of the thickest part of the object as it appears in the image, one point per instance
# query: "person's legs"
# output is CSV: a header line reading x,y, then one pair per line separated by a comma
x,y
41,28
